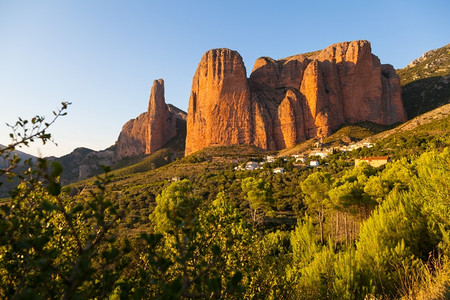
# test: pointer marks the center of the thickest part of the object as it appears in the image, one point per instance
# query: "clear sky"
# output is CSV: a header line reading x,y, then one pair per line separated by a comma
x,y
104,55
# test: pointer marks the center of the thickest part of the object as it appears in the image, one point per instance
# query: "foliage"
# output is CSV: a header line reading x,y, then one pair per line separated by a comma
x,y
338,232
316,188
52,245
258,195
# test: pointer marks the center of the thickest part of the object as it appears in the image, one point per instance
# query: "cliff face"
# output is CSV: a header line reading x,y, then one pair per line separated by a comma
x,y
150,130
219,106
289,100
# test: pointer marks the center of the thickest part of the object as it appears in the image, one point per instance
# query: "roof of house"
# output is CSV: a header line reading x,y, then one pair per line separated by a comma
x,y
375,158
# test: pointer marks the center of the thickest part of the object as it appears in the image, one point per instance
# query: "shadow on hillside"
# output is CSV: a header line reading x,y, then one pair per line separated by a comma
x,y
426,94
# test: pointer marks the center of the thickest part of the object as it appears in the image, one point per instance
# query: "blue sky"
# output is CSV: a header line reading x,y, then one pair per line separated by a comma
x,y
104,55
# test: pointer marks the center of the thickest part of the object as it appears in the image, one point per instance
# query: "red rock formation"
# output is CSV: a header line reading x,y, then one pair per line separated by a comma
x,y
288,72
161,122
287,101
150,130
289,122
219,107
133,137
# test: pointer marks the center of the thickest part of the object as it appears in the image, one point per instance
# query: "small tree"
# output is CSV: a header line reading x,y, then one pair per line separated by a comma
x,y
259,196
316,188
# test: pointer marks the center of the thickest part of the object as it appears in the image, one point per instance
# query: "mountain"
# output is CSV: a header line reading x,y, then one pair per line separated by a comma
x,y
5,184
161,131
151,130
290,100
426,82
22,155
83,163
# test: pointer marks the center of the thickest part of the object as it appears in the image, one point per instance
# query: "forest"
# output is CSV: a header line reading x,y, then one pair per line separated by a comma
x,y
335,232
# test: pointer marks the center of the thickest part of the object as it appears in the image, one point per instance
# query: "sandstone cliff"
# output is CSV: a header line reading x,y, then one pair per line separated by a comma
x,y
219,106
150,130
289,100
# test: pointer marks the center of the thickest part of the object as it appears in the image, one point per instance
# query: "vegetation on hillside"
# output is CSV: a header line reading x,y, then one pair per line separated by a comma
x,y
425,82
197,228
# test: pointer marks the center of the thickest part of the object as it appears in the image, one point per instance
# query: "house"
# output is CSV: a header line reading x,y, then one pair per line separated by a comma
x,y
321,154
270,158
314,163
278,170
176,178
373,161
251,165
301,159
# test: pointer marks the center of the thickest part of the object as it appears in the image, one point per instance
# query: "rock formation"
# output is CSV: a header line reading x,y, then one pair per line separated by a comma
x,y
220,106
289,100
150,130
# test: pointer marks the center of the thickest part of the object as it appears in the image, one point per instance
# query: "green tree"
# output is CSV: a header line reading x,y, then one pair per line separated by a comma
x,y
197,250
316,188
259,196
407,229
51,244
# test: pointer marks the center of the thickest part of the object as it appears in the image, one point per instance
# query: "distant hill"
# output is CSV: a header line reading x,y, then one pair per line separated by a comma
x,y
20,154
426,82
82,163
5,184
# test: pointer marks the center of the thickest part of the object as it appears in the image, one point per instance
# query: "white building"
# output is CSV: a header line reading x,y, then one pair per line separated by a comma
x,y
314,163
251,165
270,158
300,159
278,170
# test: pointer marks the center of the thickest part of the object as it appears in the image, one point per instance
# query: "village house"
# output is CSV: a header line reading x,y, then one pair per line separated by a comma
x,y
270,158
321,154
373,161
314,163
278,170
300,159
251,165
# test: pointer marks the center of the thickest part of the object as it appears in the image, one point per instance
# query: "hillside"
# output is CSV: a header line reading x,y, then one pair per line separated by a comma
x,y
265,226
426,82
420,124
347,134
149,175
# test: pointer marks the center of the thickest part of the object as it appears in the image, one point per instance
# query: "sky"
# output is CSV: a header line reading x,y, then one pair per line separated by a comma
x,y
102,56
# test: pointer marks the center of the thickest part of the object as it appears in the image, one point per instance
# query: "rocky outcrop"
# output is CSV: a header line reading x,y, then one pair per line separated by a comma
x,y
289,100
82,163
219,106
150,130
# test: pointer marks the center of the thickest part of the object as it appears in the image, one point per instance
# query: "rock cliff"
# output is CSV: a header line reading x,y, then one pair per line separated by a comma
x,y
289,100
219,106
150,130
